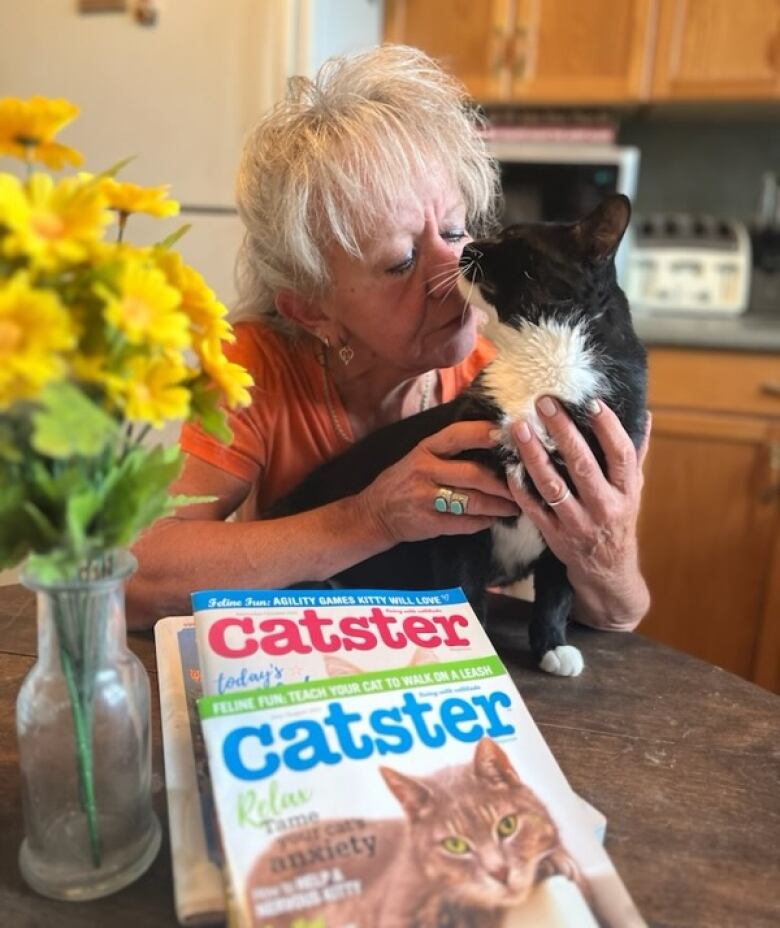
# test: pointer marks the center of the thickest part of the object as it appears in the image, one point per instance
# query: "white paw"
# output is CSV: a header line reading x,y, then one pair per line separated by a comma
x,y
563,661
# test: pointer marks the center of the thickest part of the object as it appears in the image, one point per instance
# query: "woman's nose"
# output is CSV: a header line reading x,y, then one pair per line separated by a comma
x,y
442,269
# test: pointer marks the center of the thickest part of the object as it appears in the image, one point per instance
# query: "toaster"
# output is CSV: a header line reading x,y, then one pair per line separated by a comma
x,y
681,263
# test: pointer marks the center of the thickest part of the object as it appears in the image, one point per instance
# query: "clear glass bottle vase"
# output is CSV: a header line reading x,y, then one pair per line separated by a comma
x,y
83,729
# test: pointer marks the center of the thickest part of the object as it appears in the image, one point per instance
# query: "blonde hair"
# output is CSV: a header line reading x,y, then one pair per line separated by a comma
x,y
329,162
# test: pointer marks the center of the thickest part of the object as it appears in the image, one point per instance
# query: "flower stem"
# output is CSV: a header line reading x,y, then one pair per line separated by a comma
x,y
83,738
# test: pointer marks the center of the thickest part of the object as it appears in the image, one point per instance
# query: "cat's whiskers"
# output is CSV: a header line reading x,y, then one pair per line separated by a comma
x,y
445,271
451,277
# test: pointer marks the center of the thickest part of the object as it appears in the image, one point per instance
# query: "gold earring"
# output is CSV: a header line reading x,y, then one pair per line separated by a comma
x,y
346,354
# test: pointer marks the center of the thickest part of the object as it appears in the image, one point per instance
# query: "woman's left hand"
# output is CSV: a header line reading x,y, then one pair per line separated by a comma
x,y
594,532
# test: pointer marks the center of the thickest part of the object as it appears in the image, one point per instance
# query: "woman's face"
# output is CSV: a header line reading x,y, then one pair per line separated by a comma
x,y
397,304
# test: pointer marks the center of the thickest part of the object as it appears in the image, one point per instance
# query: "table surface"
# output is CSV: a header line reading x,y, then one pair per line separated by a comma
x,y
681,757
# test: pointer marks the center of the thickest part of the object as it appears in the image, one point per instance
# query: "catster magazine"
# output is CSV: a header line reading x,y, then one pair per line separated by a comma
x,y
391,777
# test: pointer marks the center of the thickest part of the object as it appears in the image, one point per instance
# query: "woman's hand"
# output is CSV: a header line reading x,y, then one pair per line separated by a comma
x,y
400,500
594,533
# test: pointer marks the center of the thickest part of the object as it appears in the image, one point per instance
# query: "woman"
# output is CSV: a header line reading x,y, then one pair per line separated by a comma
x,y
358,194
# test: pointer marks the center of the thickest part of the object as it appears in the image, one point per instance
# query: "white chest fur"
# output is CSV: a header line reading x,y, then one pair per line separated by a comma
x,y
550,357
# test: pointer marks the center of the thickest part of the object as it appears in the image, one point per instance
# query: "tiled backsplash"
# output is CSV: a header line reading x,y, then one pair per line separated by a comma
x,y
700,164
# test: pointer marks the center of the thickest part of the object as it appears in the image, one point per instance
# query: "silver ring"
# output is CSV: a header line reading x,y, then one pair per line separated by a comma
x,y
449,500
561,499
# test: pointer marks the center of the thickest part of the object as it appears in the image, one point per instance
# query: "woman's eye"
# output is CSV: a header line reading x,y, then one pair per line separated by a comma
x,y
403,266
453,235
455,845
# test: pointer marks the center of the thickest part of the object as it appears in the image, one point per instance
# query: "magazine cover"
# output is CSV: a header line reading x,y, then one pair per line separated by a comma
x,y
196,855
404,785
195,849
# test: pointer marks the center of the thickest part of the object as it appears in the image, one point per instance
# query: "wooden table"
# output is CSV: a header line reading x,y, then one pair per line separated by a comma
x,y
682,757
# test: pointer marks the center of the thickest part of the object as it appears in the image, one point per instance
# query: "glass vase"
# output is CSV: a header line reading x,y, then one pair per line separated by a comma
x,y
83,728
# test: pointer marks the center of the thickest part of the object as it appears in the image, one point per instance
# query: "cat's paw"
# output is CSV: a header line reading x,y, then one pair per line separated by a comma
x,y
563,661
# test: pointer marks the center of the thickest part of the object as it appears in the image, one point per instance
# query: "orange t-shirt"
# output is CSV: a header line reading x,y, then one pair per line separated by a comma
x,y
287,429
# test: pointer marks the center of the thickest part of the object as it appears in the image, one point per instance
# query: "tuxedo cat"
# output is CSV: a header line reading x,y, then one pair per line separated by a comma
x,y
564,329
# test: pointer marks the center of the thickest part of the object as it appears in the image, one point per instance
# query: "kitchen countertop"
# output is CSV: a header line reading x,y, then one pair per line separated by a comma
x,y
751,331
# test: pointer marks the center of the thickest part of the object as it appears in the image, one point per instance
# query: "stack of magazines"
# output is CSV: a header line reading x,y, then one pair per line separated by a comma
x,y
362,759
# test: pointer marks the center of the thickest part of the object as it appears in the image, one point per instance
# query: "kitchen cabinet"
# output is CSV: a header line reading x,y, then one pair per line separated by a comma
x,y
598,51
555,51
717,49
709,528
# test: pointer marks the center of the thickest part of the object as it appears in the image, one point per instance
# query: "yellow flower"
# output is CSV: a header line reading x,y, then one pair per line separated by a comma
x,y
152,390
27,128
130,198
198,301
146,309
51,223
35,329
232,379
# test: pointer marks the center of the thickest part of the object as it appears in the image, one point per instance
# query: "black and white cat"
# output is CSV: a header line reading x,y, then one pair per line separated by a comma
x,y
563,328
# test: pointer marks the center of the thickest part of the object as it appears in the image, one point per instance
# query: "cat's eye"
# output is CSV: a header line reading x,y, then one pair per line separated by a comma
x,y
507,826
455,845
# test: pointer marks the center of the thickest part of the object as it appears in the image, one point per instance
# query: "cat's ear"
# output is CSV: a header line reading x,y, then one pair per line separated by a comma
x,y
598,234
415,797
492,764
338,667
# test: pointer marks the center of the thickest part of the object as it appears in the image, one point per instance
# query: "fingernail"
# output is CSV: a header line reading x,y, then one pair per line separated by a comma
x,y
594,407
547,407
522,432
495,435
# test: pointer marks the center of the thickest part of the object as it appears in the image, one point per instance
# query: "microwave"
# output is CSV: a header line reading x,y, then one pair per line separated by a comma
x,y
551,182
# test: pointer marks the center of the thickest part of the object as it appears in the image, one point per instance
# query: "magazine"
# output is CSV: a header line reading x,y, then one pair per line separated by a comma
x,y
195,849
386,771
198,888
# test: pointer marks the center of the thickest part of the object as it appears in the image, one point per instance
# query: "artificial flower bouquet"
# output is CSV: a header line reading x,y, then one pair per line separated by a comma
x,y
100,341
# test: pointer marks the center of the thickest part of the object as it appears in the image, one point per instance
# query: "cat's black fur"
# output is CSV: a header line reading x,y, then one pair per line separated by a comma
x,y
529,273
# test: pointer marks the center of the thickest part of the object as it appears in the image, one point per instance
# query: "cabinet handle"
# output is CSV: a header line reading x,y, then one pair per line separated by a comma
x,y
500,44
517,51
770,388
773,490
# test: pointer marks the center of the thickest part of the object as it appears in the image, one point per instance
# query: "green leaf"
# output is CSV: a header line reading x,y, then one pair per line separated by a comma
x,y
170,240
9,442
114,169
16,533
47,531
70,424
207,411
139,494
80,510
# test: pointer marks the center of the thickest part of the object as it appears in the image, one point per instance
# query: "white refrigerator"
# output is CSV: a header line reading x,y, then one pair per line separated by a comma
x,y
179,95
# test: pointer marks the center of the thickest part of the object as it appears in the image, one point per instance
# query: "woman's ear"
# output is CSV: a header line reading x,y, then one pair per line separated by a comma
x,y
304,312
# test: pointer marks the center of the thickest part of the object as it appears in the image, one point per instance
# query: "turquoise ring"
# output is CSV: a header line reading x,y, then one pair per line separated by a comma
x,y
447,500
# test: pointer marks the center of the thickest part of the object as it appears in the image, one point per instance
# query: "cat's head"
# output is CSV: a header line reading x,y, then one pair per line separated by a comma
x,y
532,270
477,832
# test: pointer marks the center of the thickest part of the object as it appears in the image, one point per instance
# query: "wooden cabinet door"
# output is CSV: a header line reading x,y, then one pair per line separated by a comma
x,y
470,39
581,50
717,49
708,526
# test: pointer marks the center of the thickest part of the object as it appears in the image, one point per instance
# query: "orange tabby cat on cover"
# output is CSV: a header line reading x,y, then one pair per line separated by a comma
x,y
473,842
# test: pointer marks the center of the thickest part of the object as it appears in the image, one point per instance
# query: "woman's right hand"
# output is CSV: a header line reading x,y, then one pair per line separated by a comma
x,y
400,501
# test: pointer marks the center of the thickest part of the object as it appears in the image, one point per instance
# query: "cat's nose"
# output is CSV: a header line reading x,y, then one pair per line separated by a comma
x,y
500,873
